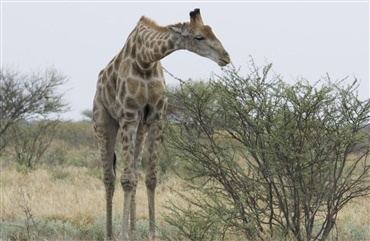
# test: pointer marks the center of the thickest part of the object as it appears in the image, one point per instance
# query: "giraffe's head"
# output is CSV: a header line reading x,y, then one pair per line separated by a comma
x,y
199,38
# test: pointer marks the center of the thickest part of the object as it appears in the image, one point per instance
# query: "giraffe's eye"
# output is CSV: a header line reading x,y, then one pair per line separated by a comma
x,y
199,38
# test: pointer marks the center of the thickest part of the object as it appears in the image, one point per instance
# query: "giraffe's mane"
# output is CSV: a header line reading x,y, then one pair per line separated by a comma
x,y
152,24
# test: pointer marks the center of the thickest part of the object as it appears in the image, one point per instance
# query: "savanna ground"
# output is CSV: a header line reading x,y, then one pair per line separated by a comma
x,y
64,197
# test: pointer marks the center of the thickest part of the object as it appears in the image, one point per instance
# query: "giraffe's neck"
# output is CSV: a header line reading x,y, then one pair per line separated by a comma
x,y
152,44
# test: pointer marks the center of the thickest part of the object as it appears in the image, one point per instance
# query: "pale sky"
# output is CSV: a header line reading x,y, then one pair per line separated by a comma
x,y
302,39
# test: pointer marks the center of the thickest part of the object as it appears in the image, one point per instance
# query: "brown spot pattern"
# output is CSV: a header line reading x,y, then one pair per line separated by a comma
x,y
132,85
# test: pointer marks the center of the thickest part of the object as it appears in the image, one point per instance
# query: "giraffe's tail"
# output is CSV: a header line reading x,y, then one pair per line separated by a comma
x,y
114,163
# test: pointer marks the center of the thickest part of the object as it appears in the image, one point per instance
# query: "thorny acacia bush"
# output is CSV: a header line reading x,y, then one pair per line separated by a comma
x,y
268,160
26,103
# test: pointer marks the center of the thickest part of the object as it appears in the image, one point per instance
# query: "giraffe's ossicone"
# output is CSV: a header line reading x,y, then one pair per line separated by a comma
x,y
130,100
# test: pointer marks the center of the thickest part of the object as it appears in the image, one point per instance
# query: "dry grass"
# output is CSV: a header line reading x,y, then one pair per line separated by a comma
x,y
75,196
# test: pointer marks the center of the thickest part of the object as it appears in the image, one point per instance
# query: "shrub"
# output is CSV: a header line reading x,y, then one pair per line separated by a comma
x,y
271,160
24,97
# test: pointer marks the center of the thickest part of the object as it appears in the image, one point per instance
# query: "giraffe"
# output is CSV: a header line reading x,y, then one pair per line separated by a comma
x,y
129,100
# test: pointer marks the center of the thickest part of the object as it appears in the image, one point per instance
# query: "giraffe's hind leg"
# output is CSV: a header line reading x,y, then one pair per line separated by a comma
x,y
105,131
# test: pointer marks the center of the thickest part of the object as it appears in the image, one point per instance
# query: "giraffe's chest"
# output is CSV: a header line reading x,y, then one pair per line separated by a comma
x,y
142,88
134,96
131,92
140,92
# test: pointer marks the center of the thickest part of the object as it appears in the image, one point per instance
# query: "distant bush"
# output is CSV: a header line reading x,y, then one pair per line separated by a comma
x,y
27,102
76,134
27,97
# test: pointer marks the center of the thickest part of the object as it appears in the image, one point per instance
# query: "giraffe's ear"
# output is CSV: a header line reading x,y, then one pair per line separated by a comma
x,y
174,30
179,31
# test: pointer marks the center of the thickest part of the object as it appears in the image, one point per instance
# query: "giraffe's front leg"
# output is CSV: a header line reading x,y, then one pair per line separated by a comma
x,y
140,138
128,178
154,137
